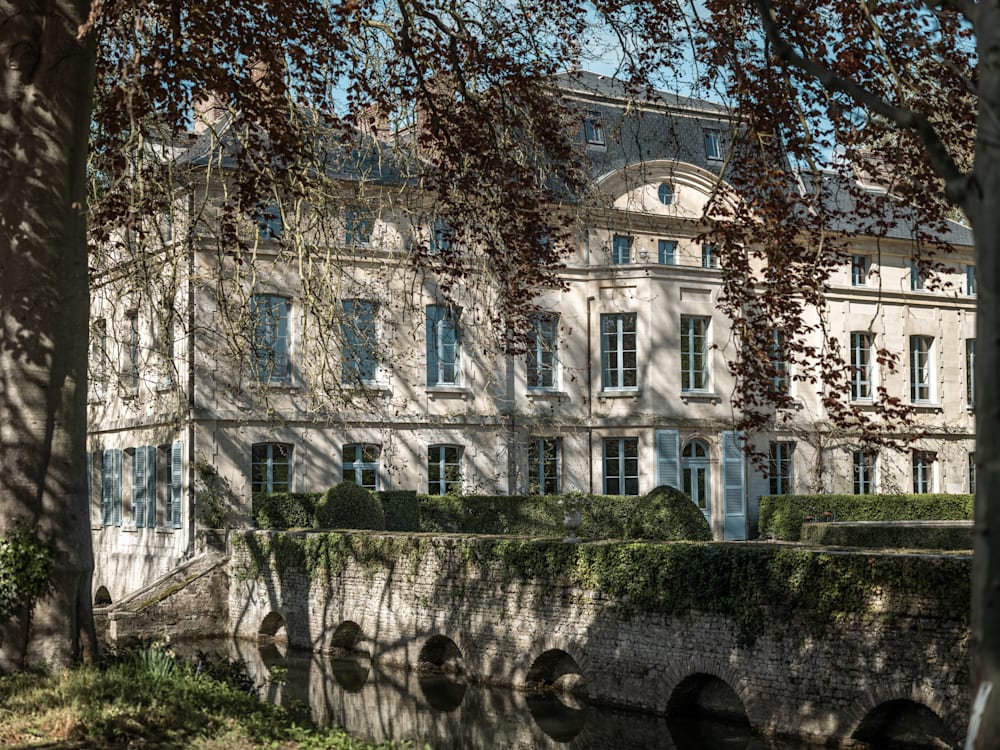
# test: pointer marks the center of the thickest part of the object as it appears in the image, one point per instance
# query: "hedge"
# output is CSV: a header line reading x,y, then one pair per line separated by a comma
x,y
782,516
284,510
939,535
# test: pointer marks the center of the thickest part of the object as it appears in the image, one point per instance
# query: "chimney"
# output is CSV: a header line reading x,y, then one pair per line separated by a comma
x,y
208,110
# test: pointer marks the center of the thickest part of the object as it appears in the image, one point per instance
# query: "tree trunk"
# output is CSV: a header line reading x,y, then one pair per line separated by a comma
x,y
46,87
983,208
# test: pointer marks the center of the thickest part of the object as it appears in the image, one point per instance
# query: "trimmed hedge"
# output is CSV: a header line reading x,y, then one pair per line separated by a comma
x,y
349,506
782,516
668,514
284,510
402,511
941,535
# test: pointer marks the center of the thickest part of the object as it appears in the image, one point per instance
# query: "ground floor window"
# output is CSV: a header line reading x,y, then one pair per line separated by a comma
x,y
923,472
780,468
444,469
864,472
361,464
271,467
621,466
695,465
543,466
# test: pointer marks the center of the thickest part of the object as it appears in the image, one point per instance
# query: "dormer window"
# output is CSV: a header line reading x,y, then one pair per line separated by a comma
x,y
713,144
593,129
665,193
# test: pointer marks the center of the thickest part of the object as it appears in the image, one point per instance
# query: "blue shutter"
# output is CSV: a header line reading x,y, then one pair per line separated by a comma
x,y
139,487
116,486
733,491
107,486
176,468
150,485
668,458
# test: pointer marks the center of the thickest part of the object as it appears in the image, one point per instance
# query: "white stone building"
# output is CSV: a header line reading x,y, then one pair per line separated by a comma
x,y
297,370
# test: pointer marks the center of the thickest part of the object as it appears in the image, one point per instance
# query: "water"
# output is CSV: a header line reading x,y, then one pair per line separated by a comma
x,y
378,703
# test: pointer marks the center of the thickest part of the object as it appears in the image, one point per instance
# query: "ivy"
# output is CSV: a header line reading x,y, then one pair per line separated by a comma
x,y
25,570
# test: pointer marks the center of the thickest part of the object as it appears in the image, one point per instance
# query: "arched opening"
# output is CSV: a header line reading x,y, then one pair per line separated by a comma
x,y
696,466
272,640
350,661
904,725
704,711
440,673
102,598
558,700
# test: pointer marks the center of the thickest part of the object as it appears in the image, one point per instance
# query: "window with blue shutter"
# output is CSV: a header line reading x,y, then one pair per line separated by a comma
x,y
176,483
116,486
139,487
733,483
667,458
107,486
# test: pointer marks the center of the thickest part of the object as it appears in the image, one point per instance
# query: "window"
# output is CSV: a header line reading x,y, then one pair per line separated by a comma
x,y
130,369
665,193
99,355
667,254
780,381
713,144
544,466
970,371
359,360
358,225
111,487
444,469
621,249
619,362
861,366
923,472
780,468
920,368
174,454
864,471
695,465
593,129
970,280
360,462
694,353
269,223
972,473
918,276
859,270
542,351
621,466
144,486
271,467
269,316
709,255
442,235
443,343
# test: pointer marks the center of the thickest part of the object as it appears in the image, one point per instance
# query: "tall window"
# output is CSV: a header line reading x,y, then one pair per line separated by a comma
x,y
99,356
864,471
918,276
859,270
923,472
778,355
621,249
443,345
593,129
709,255
442,235
360,461
861,366
269,317
269,222
970,280
619,361
713,144
271,467
358,223
970,371
542,351
667,252
444,469
696,466
694,353
972,473
130,370
543,466
780,468
621,466
920,368
144,486
111,487
359,360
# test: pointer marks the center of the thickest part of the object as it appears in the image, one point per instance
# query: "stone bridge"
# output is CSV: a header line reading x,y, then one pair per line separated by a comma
x,y
894,664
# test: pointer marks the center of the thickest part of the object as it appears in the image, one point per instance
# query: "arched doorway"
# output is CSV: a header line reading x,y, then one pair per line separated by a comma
x,y
696,467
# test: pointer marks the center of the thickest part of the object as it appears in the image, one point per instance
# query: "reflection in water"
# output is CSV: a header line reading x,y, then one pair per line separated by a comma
x,y
376,703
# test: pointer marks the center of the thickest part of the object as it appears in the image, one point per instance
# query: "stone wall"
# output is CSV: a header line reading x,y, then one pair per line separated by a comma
x,y
794,675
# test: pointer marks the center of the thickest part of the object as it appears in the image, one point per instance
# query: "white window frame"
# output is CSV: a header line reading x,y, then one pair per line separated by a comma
x,y
924,466
710,255
444,345
713,144
862,382
970,280
859,270
921,369
358,460
593,129
666,252
781,381
271,337
359,224
268,462
359,345
438,465
918,277
621,466
781,467
542,359
694,359
864,471
621,249
970,372
696,471
544,466
619,352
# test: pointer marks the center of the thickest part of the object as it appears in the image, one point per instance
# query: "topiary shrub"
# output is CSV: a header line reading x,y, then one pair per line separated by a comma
x,y
284,510
402,511
348,506
667,514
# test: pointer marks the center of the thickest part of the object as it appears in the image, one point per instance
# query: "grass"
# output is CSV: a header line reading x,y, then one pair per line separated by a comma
x,y
150,700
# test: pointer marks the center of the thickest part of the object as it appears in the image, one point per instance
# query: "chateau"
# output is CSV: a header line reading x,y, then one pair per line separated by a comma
x,y
323,354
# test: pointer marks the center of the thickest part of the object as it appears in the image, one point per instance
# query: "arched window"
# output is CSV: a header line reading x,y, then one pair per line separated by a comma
x,y
695,464
665,193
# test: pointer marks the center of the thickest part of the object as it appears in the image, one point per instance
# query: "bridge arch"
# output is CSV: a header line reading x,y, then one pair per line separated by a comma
x,y
102,597
906,720
349,638
687,681
705,695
